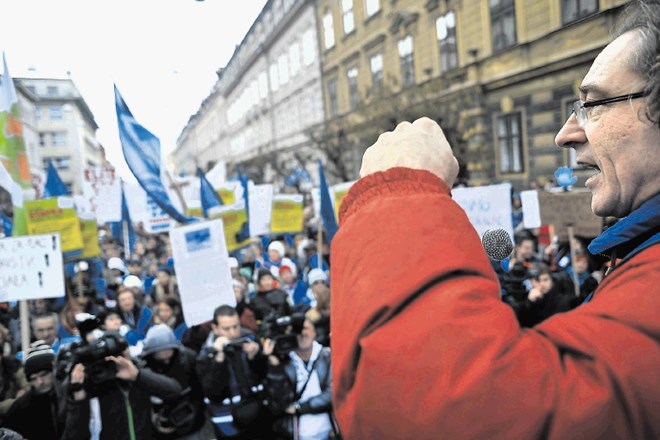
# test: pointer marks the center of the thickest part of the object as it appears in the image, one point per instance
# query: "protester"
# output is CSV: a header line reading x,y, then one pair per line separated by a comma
x,y
432,352
270,300
35,415
13,383
319,314
300,389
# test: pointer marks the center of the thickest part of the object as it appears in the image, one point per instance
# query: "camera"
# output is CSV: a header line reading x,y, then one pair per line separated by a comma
x,y
283,331
92,351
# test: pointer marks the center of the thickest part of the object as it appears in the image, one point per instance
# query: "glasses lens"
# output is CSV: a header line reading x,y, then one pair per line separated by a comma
x,y
580,113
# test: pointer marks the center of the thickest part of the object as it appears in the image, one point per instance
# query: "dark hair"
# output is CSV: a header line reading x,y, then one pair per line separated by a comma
x,y
223,310
643,16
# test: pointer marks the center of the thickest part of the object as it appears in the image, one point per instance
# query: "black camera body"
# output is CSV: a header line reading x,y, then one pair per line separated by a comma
x,y
283,331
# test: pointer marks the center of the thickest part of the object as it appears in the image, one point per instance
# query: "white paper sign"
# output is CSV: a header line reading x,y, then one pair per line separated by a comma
x,y
261,207
487,207
531,209
202,269
102,189
31,267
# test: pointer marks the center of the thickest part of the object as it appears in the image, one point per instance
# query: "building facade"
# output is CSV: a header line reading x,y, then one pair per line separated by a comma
x,y
266,100
498,75
59,127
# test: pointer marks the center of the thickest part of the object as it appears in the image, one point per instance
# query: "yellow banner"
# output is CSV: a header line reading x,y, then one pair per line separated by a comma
x,y
90,237
227,195
56,214
234,218
287,214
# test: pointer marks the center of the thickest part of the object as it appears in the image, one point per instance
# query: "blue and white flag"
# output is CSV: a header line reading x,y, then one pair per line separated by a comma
x,y
208,195
54,186
327,211
142,154
117,228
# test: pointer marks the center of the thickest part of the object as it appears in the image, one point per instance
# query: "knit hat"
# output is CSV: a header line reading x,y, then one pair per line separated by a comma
x,y
315,275
262,272
117,263
40,357
287,264
277,246
132,281
159,337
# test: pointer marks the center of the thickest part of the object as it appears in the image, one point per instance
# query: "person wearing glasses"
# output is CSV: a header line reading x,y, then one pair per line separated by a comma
x,y
434,352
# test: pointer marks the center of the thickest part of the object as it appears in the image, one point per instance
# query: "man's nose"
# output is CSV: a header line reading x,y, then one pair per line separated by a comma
x,y
570,133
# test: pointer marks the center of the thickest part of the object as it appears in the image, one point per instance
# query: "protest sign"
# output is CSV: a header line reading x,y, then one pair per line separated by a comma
x,y
487,207
287,214
234,218
102,188
56,214
157,219
338,193
201,263
31,267
261,206
569,208
90,237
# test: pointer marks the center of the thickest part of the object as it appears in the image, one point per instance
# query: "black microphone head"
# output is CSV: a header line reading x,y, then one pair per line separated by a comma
x,y
497,244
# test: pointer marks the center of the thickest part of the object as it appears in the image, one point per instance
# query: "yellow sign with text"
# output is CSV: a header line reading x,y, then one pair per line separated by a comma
x,y
90,237
287,215
55,214
235,223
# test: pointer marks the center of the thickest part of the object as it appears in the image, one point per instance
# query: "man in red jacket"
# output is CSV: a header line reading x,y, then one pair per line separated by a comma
x,y
434,353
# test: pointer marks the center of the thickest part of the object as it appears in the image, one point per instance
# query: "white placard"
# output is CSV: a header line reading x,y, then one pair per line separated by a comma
x,y
261,206
487,207
157,219
31,267
531,209
202,269
102,189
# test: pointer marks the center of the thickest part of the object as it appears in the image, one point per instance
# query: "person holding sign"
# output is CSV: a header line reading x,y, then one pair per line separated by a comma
x,y
433,352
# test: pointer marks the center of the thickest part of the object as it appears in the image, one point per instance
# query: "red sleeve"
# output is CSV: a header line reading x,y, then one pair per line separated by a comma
x,y
424,348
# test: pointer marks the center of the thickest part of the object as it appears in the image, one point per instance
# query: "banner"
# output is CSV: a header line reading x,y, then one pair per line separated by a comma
x,y
90,237
102,189
202,270
287,215
31,268
52,215
234,219
261,207
487,207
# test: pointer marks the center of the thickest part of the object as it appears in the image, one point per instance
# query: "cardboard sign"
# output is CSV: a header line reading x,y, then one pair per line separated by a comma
x,y
487,207
261,206
102,189
233,219
202,269
90,236
56,214
571,208
287,215
31,268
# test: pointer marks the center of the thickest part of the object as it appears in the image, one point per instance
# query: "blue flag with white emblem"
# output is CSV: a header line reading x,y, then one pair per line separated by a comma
x,y
142,154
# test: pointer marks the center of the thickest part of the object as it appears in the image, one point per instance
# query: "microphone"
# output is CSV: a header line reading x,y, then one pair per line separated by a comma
x,y
497,244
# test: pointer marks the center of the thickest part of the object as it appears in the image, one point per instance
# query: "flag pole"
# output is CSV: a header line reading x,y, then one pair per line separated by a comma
x,y
25,326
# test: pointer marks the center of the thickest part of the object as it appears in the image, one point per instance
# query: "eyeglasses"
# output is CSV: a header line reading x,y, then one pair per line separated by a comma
x,y
580,108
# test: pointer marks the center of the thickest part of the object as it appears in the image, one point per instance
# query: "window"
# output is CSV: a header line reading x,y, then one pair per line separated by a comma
x,y
376,64
502,23
263,85
309,48
372,6
332,97
55,113
572,10
509,143
283,67
328,31
59,138
51,90
407,61
274,81
347,16
353,92
445,28
294,59
60,163
42,139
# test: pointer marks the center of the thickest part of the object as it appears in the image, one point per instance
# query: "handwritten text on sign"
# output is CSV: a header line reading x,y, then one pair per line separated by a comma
x,y
31,267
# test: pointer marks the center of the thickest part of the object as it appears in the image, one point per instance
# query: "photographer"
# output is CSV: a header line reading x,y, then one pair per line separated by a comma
x,y
102,369
232,370
300,388
182,417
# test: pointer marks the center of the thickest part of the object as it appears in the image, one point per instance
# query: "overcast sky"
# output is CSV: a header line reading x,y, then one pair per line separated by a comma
x,y
161,54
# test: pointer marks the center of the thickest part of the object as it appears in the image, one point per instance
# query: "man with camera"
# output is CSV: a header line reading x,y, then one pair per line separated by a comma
x,y
300,388
232,371
105,378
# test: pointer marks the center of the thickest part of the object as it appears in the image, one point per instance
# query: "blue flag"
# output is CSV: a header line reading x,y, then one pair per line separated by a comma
x,y
327,211
142,154
54,186
244,232
117,228
210,198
